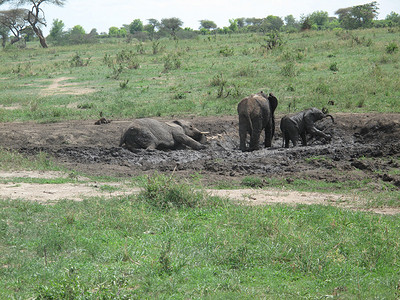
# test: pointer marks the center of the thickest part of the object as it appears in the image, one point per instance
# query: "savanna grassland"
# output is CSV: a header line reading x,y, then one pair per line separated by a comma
x,y
173,239
357,70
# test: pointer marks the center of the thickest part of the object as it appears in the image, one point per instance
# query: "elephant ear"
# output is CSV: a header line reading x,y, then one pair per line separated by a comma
x,y
273,102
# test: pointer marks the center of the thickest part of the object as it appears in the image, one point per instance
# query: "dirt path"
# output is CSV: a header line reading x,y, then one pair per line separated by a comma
x,y
51,193
60,86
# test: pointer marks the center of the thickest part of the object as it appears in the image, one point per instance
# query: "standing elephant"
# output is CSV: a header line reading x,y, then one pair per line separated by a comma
x,y
152,134
301,124
256,112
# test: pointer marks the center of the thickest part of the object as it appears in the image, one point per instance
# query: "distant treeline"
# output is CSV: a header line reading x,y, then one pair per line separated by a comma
x,y
355,17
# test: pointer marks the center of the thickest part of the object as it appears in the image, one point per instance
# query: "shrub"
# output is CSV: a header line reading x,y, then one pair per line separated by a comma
x,y
77,61
392,48
254,182
289,70
333,67
227,51
171,62
164,192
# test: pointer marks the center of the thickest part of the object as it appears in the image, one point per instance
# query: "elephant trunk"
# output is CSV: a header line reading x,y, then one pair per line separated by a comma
x,y
333,121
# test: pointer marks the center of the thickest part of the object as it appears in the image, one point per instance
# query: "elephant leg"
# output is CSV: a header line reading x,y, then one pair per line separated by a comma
x,y
286,139
303,138
183,139
268,136
255,136
243,129
294,137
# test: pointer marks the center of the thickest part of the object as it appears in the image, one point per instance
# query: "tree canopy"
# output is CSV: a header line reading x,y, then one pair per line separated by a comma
x,y
171,25
35,15
359,16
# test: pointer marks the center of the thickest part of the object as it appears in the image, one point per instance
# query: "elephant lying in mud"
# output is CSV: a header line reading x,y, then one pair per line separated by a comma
x,y
152,134
301,124
256,112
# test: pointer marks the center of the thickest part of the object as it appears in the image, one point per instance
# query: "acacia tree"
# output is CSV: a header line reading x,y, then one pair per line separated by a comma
x,y
358,16
207,24
15,21
35,15
171,25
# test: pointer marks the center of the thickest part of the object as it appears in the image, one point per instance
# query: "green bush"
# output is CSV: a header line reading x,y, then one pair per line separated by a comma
x,y
392,48
334,67
164,192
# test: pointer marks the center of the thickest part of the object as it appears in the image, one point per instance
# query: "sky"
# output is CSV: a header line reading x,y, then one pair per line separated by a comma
x,y
103,14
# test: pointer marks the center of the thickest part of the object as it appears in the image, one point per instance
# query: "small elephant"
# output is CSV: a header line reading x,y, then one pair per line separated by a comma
x,y
152,134
301,124
256,112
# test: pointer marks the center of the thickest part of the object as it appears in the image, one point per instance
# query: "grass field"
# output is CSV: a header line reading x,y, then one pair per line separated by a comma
x,y
174,242
358,71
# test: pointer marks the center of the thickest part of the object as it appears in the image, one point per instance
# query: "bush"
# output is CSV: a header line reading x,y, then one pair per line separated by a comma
x,y
333,67
392,48
289,70
171,62
164,192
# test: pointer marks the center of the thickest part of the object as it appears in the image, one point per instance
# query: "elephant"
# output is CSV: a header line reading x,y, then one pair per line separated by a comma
x,y
300,124
152,134
256,112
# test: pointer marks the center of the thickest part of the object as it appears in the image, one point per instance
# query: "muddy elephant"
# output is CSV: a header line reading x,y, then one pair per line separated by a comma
x,y
256,112
302,124
152,134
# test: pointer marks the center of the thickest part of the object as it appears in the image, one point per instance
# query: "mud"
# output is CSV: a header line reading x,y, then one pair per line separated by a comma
x,y
364,146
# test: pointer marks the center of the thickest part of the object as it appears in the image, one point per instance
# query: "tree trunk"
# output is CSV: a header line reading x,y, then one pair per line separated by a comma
x,y
39,34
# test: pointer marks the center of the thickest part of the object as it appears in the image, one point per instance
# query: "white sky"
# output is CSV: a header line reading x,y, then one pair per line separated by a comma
x,y
103,14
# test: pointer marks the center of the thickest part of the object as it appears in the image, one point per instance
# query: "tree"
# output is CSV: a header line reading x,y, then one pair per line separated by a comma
x,y
4,30
233,25
240,22
171,25
135,26
207,24
151,27
393,18
113,31
57,30
290,21
15,21
77,34
319,18
306,23
35,16
360,16
272,23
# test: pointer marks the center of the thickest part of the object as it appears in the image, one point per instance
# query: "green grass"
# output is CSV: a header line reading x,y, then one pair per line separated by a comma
x,y
352,69
172,241
131,248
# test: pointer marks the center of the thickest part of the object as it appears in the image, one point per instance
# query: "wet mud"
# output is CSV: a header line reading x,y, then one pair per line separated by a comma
x,y
363,146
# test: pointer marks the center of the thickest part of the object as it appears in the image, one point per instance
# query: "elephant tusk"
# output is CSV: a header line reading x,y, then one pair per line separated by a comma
x,y
333,121
204,132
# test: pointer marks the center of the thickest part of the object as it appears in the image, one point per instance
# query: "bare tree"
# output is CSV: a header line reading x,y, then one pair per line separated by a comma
x,y
35,16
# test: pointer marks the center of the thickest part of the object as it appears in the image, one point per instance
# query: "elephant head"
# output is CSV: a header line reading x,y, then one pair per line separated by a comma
x,y
317,114
192,131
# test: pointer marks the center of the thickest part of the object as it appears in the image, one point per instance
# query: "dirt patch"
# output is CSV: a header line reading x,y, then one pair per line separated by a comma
x,y
60,86
14,107
363,147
